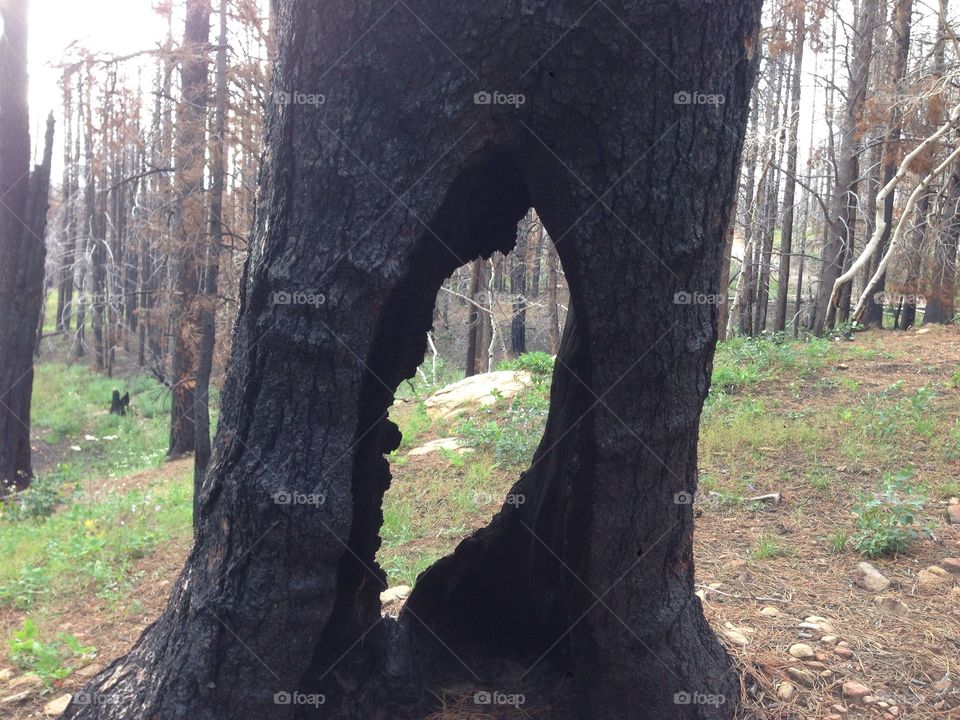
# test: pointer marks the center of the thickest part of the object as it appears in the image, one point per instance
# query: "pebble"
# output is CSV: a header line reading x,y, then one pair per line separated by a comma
x,y
801,651
869,578
801,676
89,671
952,564
395,593
829,639
735,636
786,691
891,604
843,652
953,514
855,690
927,578
770,611
55,707
943,685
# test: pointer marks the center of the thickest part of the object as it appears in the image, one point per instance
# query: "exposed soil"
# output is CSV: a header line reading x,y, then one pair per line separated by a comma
x,y
908,661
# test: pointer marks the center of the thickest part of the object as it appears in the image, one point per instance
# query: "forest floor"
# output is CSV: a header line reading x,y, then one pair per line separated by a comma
x,y
861,439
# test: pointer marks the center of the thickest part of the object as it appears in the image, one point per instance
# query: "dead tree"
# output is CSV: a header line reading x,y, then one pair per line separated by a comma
x,y
588,585
23,220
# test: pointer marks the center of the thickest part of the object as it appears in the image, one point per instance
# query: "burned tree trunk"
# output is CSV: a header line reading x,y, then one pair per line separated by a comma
x,y
837,245
941,301
23,219
586,586
185,275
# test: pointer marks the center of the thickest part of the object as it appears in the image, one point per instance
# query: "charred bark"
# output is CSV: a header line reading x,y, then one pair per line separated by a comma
x,y
23,219
280,596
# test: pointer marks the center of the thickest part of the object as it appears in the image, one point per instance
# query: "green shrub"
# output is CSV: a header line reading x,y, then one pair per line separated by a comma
x,y
886,518
536,363
516,436
48,660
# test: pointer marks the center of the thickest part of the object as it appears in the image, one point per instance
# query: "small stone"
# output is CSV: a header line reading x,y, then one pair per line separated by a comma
x,y
816,665
702,594
829,639
715,586
943,685
953,514
929,579
786,691
736,637
770,611
843,643
838,709
869,578
833,716
891,604
939,572
395,593
802,677
736,564
894,710
869,699
6,674
55,707
801,651
952,564
822,657
843,652
884,704
855,690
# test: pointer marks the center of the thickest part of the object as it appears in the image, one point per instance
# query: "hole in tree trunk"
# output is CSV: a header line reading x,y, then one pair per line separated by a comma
x,y
463,449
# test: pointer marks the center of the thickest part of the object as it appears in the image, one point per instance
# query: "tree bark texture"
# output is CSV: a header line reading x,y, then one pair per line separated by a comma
x,y
581,597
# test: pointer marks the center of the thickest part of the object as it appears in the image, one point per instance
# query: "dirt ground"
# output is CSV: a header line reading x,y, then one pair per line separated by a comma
x,y
905,654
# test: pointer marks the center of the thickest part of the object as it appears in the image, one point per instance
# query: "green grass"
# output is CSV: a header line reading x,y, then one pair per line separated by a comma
x,y
58,544
70,410
89,547
767,547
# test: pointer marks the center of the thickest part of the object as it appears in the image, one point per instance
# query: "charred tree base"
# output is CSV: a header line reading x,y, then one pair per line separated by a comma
x,y
579,595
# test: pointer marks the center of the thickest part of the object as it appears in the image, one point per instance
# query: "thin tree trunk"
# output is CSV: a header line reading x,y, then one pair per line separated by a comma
x,y
789,193
840,227
22,250
873,311
191,131
208,302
